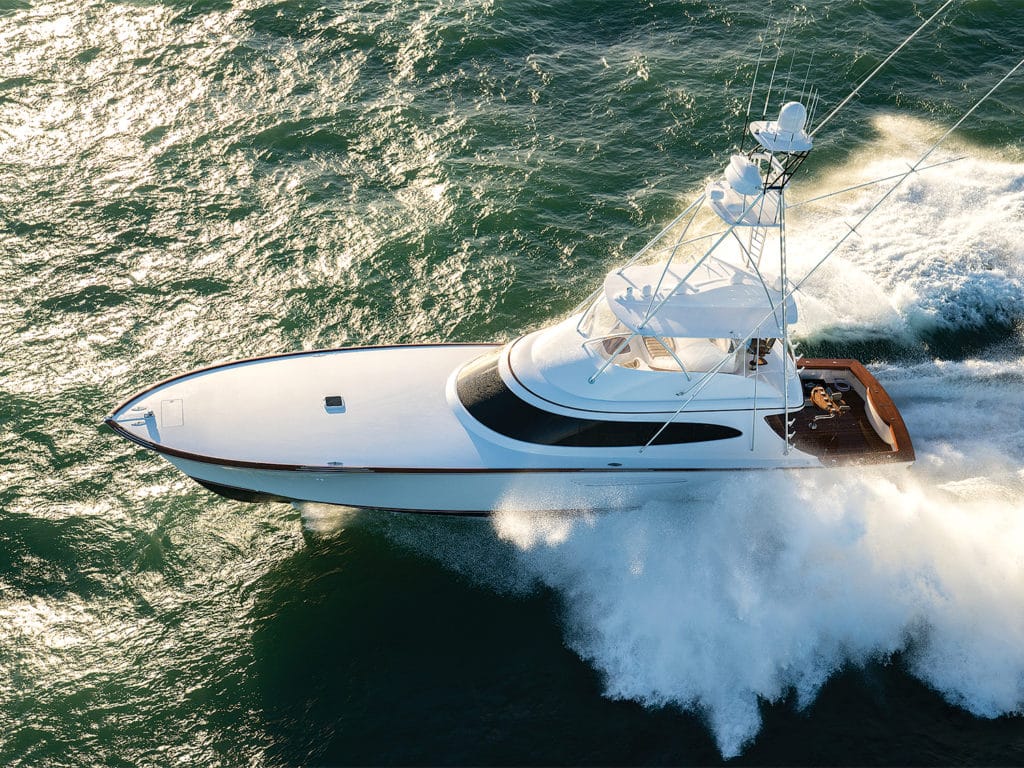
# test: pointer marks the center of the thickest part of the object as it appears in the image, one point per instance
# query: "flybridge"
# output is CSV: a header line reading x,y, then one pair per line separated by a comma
x,y
749,200
720,304
717,290
719,299
716,296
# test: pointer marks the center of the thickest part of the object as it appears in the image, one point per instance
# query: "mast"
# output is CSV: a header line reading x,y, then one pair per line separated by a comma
x,y
750,201
781,146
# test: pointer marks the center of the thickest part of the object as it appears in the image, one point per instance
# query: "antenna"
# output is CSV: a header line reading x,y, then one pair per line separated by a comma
x,y
750,101
778,55
788,75
814,106
876,70
807,77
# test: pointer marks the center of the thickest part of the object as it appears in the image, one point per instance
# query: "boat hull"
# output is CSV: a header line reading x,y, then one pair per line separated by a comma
x,y
474,493
271,429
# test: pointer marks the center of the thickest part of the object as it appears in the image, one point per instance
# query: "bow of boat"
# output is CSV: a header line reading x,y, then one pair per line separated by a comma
x,y
320,410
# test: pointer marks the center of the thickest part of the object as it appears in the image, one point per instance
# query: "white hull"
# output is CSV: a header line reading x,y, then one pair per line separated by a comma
x,y
671,376
264,430
454,492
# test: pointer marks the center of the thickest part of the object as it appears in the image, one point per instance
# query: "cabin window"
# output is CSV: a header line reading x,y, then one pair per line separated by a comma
x,y
656,353
484,394
601,321
665,354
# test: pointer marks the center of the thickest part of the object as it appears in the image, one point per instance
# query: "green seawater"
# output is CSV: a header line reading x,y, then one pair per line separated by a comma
x,y
190,182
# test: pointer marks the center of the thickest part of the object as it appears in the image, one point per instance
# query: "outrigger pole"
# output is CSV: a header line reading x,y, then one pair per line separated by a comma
x,y
708,376
877,69
871,183
913,169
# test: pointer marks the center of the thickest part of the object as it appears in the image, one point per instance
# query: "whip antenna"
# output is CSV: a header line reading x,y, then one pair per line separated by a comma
x,y
876,70
771,82
785,91
806,77
750,101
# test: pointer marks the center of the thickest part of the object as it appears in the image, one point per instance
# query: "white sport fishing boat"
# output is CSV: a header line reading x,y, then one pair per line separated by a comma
x,y
679,368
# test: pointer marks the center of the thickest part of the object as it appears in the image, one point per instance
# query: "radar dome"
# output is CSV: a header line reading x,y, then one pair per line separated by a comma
x,y
792,117
743,176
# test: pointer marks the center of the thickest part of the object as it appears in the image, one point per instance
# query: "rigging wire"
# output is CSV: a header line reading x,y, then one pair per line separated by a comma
x,y
877,69
913,169
871,183
709,375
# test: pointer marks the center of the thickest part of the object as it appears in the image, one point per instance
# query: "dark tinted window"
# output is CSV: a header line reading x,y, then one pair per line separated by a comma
x,y
486,397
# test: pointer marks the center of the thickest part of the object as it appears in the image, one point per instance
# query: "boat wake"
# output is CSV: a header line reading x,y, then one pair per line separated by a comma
x,y
770,587
762,587
942,256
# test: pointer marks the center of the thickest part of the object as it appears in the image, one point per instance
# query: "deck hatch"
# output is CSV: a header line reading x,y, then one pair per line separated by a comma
x,y
334,403
172,413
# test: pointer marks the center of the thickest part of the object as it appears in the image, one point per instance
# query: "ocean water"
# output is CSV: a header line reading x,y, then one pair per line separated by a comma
x,y
189,182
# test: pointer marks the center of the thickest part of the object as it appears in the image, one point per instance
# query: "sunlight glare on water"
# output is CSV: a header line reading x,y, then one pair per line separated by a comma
x,y
185,183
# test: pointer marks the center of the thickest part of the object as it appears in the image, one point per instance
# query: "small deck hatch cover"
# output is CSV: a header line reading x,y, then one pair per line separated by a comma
x,y
172,413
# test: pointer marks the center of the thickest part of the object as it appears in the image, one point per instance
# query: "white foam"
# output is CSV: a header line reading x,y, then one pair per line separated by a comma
x,y
528,529
771,587
327,519
943,252
964,416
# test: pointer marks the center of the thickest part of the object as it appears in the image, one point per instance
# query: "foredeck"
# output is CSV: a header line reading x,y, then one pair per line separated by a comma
x,y
355,407
849,437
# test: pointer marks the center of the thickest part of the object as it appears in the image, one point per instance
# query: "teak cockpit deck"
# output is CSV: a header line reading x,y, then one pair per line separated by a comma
x,y
863,427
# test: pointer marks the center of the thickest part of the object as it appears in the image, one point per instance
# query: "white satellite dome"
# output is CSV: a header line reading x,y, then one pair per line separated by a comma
x,y
792,118
743,176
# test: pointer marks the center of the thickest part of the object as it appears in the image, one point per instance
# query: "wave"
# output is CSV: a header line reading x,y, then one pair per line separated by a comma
x,y
768,588
941,255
